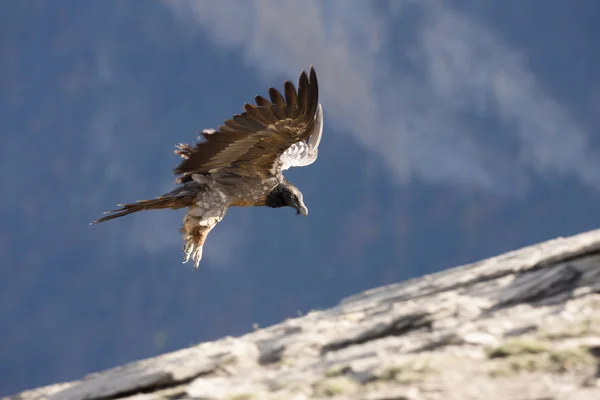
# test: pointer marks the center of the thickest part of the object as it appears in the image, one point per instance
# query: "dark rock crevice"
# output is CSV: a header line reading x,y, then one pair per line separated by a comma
x,y
397,327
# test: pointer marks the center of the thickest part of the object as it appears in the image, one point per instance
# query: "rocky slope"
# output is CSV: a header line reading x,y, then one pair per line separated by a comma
x,y
522,325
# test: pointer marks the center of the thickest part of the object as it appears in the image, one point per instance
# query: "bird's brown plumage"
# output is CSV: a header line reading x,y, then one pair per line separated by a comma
x,y
240,163
256,138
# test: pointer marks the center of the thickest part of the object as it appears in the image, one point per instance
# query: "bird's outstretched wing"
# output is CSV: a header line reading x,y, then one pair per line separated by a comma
x,y
258,137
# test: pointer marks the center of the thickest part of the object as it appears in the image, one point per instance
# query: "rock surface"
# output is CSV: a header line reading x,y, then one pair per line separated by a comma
x,y
523,325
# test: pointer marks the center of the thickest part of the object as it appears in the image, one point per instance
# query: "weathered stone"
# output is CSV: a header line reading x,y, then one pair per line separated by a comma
x,y
523,325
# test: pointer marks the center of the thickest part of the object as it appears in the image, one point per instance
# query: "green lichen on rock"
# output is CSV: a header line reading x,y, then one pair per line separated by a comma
x,y
584,327
551,361
521,346
335,386
405,372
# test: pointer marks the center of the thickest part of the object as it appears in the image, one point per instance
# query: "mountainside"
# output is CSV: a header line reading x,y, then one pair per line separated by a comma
x,y
522,325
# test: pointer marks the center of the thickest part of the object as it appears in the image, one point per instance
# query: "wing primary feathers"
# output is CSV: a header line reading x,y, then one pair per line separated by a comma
x,y
303,90
233,126
313,101
277,98
248,124
267,111
261,101
290,95
256,115
278,112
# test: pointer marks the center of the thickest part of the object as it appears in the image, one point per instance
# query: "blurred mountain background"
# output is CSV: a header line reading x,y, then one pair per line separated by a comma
x,y
454,131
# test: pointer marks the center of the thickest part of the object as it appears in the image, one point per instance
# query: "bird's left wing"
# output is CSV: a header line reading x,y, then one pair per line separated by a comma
x,y
258,137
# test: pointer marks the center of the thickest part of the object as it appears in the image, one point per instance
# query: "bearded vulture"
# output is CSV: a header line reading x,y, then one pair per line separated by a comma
x,y
241,163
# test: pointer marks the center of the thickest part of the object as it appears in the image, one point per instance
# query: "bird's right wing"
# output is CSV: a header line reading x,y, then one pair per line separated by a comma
x,y
256,139
304,153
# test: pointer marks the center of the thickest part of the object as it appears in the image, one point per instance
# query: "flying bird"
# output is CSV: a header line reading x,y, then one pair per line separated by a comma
x,y
241,163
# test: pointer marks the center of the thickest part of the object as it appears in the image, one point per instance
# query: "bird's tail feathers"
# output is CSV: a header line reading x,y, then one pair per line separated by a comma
x,y
176,199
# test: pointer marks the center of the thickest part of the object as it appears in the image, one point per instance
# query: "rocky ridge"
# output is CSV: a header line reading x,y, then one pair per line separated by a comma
x,y
522,325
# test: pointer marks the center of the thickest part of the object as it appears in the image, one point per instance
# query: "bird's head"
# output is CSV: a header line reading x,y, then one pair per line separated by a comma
x,y
287,195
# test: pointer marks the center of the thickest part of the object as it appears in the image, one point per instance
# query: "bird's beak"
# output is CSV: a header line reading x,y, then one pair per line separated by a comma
x,y
301,209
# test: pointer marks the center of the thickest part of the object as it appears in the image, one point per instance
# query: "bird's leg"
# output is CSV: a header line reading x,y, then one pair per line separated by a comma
x,y
197,224
197,256
192,248
188,248
194,237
